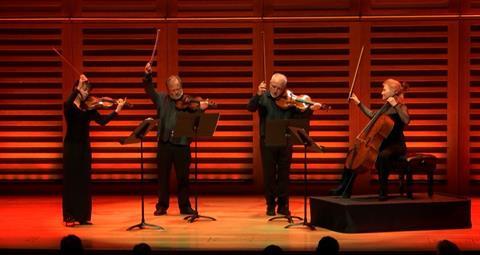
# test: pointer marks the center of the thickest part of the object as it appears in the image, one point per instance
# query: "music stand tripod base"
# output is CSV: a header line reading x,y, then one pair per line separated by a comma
x,y
137,136
144,225
303,223
196,216
194,126
288,217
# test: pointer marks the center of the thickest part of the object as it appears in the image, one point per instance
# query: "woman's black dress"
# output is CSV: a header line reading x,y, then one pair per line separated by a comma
x,y
77,159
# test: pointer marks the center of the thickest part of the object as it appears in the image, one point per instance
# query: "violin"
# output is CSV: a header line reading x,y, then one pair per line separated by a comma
x,y
102,103
302,102
193,103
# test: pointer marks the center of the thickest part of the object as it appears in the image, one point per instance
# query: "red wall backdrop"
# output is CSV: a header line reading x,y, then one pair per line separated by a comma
x,y
216,47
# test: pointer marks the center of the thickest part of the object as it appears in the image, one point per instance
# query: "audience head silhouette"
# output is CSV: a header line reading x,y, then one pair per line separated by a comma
x,y
142,249
272,250
446,247
327,246
71,245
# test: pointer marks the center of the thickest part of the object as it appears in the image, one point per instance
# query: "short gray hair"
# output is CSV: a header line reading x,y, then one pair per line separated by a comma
x,y
173,78
280,77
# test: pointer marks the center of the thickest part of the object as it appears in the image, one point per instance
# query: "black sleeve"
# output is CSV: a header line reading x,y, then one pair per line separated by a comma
x,y
150,90
402,111
103,119
73,95
306,114
366,110
253,103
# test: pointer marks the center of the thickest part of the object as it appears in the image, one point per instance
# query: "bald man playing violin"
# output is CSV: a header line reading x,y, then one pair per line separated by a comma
x,y
276,160
171,150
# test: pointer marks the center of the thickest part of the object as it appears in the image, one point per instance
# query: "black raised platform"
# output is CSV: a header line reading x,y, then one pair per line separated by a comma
x,y
367,214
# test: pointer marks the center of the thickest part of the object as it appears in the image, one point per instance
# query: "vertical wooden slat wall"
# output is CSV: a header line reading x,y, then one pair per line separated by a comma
x,y
31,102
216,47
417,54
471,114
215,61
113,57
315,57
34,9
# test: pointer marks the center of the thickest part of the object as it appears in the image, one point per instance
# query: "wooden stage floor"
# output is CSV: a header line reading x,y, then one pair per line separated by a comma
x,y
35,223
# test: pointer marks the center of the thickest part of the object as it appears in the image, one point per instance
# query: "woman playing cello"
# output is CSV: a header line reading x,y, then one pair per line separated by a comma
x,y
392,147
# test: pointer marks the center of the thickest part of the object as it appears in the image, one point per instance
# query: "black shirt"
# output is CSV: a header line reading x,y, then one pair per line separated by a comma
x,y
268,110
78,120
166,113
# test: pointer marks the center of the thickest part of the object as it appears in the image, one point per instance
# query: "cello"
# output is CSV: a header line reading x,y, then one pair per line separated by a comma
x,y
364,152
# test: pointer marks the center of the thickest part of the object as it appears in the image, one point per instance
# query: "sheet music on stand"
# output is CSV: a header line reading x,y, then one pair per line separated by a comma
x,y
300,136
277,132
206,124
140,131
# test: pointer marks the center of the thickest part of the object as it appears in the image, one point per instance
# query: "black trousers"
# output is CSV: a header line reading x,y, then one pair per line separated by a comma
x,y
276,168
386,159
385,162
179,156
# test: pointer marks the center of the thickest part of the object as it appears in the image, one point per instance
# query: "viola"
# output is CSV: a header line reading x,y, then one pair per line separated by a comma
x,y
102,103
193,103
302,102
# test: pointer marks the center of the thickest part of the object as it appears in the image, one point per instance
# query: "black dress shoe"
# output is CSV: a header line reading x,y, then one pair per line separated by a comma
x,y
187,210
283,210
160,212
271,211
86,222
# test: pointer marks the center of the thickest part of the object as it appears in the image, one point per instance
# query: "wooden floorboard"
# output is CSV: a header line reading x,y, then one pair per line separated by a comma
x,y
34,223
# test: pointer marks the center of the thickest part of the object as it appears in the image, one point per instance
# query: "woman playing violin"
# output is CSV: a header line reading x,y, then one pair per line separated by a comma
x,y
393,146
77,154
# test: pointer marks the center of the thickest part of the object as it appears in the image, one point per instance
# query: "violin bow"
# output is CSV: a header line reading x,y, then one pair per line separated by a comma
x,y
264,57
154,47
65,60
356,72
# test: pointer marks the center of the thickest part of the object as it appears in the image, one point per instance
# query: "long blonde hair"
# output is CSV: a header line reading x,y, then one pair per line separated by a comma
x,y
399,87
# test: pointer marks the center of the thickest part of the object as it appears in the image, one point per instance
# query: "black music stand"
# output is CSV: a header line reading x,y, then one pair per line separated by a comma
x,y
300,136
277,134
194,125
137,136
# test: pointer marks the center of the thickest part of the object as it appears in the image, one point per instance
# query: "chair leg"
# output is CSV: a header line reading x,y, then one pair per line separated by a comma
x,y
409,183
430,183
401,177
347,192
